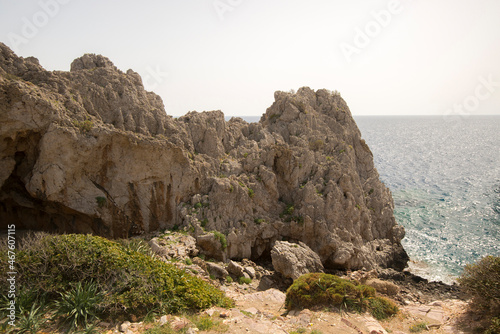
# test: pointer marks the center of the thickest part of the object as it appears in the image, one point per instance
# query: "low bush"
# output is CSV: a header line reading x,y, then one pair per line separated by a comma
x,y
494,327
317,289
222,239
137,245
382,308
419,327
84,126
204,322
79,305
101,201
31,321
245,280
482,282
130,282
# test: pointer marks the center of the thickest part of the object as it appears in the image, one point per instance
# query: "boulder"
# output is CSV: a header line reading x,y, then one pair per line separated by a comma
x,y
235,269
216,270
294,260
177,246
250,271
385,287
211,246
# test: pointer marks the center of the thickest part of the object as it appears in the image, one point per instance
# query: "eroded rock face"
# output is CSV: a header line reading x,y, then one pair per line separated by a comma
x,y
91,151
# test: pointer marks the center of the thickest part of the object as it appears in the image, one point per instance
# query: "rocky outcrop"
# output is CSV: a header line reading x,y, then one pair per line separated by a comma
x,y
295,260
174,246
91,151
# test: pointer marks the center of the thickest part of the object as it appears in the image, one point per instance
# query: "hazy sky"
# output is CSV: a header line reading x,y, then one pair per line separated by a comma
x,y
385,57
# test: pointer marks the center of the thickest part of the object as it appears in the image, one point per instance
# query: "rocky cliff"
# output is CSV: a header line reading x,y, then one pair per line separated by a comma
x,y
90,150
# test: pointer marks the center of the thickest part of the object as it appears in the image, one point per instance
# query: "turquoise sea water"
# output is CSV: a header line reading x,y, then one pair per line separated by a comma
x,y
445,181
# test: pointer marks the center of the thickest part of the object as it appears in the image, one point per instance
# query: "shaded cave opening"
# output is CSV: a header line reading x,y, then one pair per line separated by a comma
x,y
18,207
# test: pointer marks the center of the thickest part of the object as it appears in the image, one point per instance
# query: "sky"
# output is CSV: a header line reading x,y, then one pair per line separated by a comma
x,y
388,57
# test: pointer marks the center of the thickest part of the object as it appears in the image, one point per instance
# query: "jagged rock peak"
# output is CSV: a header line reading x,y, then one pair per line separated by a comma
x,y
89,61
91,151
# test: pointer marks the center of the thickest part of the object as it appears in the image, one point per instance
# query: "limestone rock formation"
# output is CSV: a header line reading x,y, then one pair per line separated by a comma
x,y
294,260
91,151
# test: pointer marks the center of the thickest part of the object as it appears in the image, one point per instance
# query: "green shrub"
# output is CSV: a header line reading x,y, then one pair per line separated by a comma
x,y
25,299
89,329
137,245
316,145
418,327
382,308
319,289
288,210
203,323
245,280
494,326
162,329
31,321
101,201
229,279
80,304
251,193
222,238
482,282
299,219
84,126
134,283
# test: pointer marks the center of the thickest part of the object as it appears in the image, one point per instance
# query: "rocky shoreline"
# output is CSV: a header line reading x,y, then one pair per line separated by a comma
x,y
260,301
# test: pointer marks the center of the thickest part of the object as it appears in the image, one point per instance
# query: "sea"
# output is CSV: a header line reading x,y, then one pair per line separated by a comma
x,y
444,175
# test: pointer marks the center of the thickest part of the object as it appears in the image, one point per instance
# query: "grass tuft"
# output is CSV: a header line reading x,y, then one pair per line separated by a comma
x,y
79,305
